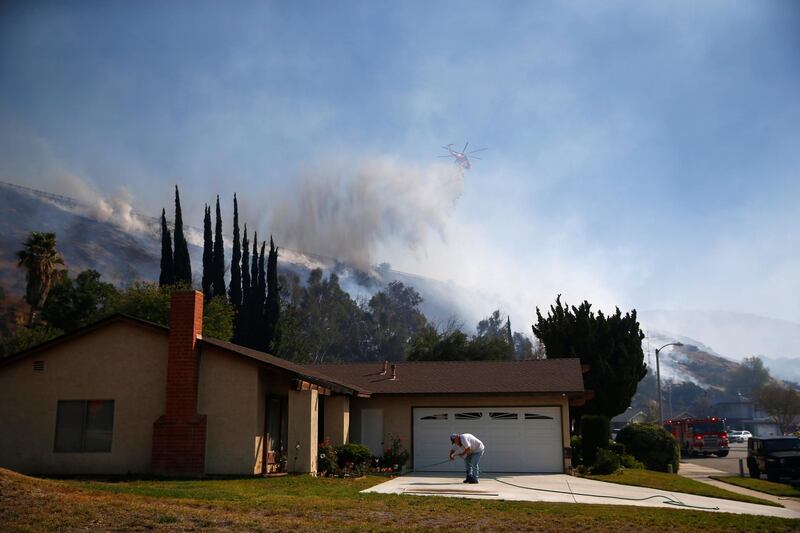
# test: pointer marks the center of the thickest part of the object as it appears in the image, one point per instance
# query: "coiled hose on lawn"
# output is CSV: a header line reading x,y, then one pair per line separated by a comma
x,y
669,500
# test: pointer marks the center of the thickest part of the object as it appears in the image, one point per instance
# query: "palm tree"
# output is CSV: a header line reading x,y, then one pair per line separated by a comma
x,y
40,259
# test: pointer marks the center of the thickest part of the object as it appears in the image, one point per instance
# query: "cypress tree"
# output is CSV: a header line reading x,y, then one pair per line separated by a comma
x,y
273,304
235,290
244,310
167,276
253,307
262,339
218,281
208,254
183,265
509,335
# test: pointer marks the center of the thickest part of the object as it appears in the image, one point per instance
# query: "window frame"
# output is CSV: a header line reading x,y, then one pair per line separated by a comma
x,y
84,427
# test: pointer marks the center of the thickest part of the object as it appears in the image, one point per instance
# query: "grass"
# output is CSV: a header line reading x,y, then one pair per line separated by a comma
x,y
768,487
676,483
309,504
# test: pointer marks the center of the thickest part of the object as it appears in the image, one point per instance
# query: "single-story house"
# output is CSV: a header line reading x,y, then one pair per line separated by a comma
x,y
125,395
630,416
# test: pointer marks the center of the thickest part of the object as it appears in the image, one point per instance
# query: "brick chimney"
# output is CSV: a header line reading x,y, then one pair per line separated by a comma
x,y
179,435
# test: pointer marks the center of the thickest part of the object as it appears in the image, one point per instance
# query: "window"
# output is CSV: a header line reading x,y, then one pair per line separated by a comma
x,y
504,416
468,416
442,416
38,366
534,416
84,425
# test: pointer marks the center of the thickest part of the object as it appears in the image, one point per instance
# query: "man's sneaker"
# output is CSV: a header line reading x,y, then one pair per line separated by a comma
x,y
472,481
466,480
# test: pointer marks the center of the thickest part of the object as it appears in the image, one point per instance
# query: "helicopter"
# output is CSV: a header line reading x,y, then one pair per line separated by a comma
x,y
462,158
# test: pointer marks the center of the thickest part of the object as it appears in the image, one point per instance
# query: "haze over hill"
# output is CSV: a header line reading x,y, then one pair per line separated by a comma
x,y
124,246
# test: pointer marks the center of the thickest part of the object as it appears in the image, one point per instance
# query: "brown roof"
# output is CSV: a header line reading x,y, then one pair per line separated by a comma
x,y
307,372
461,377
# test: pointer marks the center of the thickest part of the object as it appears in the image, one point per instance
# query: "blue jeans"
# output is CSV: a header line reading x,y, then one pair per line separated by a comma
x,y
471,463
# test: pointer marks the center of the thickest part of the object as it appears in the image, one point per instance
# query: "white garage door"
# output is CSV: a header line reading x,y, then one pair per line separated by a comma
x,y
517,439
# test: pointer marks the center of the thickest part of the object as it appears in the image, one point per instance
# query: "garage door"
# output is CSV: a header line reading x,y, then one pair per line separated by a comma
x,y
517,439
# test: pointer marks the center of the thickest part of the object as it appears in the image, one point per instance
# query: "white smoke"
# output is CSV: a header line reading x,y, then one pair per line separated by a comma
x,y
344,211
117,210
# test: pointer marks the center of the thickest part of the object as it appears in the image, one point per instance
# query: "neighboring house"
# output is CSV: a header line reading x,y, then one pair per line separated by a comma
x,y
630,416
743,413
128,396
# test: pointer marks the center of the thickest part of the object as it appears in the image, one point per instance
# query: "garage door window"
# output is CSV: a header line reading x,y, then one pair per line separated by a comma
x,y
442,416
468,416
534,416
504,416
84,426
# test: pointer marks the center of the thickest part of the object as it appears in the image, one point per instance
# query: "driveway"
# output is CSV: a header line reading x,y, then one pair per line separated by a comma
x,y
566,489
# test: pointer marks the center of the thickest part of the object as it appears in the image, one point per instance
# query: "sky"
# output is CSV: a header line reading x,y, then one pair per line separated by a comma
x,y
639,154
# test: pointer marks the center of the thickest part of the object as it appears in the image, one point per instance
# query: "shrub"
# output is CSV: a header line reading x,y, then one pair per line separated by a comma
x,y
577,455
326,460
355,457
616,447
652,445
395,456
629,461
595,434
606,462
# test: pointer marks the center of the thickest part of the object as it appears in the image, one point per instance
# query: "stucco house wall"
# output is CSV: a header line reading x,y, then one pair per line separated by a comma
x,y
228,395
123,362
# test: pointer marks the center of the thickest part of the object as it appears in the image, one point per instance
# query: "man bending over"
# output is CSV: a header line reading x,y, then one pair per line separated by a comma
x,y
472,451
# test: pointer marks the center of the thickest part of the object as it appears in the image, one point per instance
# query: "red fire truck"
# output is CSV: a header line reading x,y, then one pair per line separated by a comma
x,y
699,436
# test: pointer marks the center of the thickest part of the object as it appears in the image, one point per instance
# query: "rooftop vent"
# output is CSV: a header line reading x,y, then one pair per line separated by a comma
x,y
394,373
385,367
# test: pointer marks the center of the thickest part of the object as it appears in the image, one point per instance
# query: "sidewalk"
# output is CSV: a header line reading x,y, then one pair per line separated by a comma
x,y
702,473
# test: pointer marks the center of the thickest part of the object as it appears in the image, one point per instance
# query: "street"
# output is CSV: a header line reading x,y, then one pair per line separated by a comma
x,y
729,464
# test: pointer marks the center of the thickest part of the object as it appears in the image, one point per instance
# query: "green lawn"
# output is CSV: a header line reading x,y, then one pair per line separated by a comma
x,y
676,483
768,487
309,504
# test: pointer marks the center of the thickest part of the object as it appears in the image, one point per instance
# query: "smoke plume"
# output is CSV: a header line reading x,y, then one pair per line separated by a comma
x,y
345,211
116,210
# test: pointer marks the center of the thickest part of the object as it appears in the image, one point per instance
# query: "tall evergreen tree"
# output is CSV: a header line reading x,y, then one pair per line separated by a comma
x,y
260,334
219,256
254,306
272,308
235,290
208,254
167,276
611,346
509,334
183,264
241,328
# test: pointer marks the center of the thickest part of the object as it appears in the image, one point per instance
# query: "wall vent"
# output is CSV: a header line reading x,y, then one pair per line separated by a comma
x,y
38,366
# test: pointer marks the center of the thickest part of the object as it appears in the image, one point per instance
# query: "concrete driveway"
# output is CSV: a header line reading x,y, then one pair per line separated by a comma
x,y
566,489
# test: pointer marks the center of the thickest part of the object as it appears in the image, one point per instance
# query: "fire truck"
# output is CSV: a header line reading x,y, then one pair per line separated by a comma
x,y
699,436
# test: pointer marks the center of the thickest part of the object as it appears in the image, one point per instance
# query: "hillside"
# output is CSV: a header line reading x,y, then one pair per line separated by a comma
x,y
127,254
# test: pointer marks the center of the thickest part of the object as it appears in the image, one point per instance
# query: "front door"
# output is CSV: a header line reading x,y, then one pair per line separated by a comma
x,y
372,430
277,430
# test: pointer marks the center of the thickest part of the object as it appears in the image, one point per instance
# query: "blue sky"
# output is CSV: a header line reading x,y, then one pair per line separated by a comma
x,y
641,154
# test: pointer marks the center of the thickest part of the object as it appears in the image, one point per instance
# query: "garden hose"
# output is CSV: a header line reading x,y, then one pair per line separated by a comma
x,y
669,500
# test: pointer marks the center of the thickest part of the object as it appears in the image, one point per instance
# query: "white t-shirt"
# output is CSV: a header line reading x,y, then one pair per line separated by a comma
x,y
468,440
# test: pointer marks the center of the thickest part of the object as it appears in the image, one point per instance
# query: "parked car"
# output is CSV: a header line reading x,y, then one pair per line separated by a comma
x,y
739,436
776,457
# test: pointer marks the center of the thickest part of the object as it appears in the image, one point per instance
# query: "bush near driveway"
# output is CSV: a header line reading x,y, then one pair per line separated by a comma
x,y
652,445
595,434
